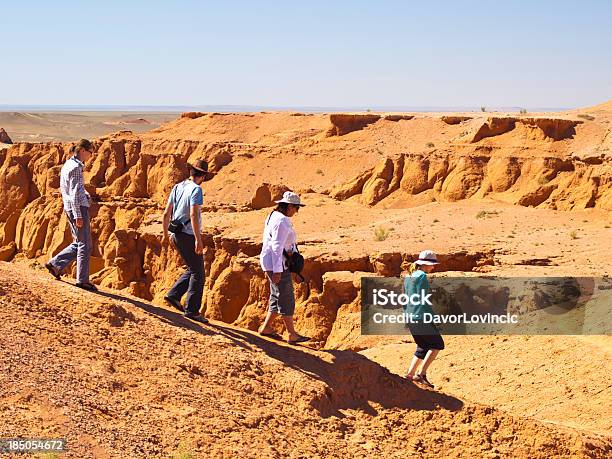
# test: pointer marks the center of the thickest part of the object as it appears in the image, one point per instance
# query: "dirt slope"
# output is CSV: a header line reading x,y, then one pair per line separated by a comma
x,y
560,379
119,377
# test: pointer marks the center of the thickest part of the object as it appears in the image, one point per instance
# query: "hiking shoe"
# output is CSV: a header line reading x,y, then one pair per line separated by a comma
x,y
87,286
53,270
422,379
299,339
197,318
176,304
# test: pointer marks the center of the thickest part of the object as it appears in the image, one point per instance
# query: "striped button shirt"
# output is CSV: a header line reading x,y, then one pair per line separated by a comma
x,y
72,186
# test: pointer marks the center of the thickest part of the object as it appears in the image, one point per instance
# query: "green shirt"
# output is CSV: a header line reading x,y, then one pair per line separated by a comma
x,y
413,285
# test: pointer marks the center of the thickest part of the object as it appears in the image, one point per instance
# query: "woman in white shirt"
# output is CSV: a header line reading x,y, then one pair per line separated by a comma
x,y
279,236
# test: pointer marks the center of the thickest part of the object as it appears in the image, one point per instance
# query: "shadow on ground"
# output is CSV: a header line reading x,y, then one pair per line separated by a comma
x,y
352,380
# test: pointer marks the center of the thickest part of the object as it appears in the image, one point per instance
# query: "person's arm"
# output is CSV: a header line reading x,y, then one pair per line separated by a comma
x,y
168,215
75,182
195,214
279,234
166,220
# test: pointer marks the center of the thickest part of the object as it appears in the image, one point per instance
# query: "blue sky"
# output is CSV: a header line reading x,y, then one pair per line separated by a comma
x,y
315,53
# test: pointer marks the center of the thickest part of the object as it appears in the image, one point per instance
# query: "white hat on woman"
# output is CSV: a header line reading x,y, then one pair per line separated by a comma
x,y
291,198
427,257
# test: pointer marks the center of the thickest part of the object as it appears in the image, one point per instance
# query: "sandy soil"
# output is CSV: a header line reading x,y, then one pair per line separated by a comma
x,y
121,376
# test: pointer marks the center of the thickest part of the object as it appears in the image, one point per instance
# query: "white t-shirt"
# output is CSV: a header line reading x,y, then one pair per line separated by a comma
x,y
278,234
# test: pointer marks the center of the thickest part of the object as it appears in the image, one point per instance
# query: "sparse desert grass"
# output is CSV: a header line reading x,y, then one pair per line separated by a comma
x,y
184,451
543,180
586,116
573,234
485,213
381,233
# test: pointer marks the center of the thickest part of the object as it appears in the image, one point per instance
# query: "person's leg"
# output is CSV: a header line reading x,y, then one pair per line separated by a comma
x,y
181,286
435,344
84,248
195,262
266,327
69,253
292,335
193,303
286,305
420,352
416,361
429,358
273,306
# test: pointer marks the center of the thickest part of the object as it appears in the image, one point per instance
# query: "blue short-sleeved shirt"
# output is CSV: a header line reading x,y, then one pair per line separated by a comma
x,y
183,196
415,283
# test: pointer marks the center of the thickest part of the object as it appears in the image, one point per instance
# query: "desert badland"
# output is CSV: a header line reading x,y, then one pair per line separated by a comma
x,y
118,374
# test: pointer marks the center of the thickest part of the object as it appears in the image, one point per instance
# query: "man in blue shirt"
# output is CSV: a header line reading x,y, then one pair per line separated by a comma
x,y
183,218
76,206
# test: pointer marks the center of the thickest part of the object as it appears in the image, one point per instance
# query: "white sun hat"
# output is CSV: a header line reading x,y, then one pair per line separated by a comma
x,y
290,198
427,257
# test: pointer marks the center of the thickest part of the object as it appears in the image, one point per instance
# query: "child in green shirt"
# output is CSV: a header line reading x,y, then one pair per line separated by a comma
x,y
426,336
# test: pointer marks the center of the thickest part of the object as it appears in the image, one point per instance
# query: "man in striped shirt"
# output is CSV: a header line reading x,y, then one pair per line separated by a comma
x,y
76,206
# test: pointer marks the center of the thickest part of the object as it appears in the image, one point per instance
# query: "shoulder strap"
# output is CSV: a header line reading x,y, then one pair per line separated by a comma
x,y
268,220
176,200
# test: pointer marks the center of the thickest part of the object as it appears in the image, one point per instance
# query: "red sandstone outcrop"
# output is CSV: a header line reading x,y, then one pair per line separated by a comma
x,y
343,124
455,119
521,181
556,129
398,117
258,157
266,194
4,137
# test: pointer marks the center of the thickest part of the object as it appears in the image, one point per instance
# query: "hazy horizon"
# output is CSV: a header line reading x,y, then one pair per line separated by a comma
x,y
34,108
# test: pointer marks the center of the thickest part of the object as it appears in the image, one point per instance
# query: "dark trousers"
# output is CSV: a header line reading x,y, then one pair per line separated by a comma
x,y
426,337
192,280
